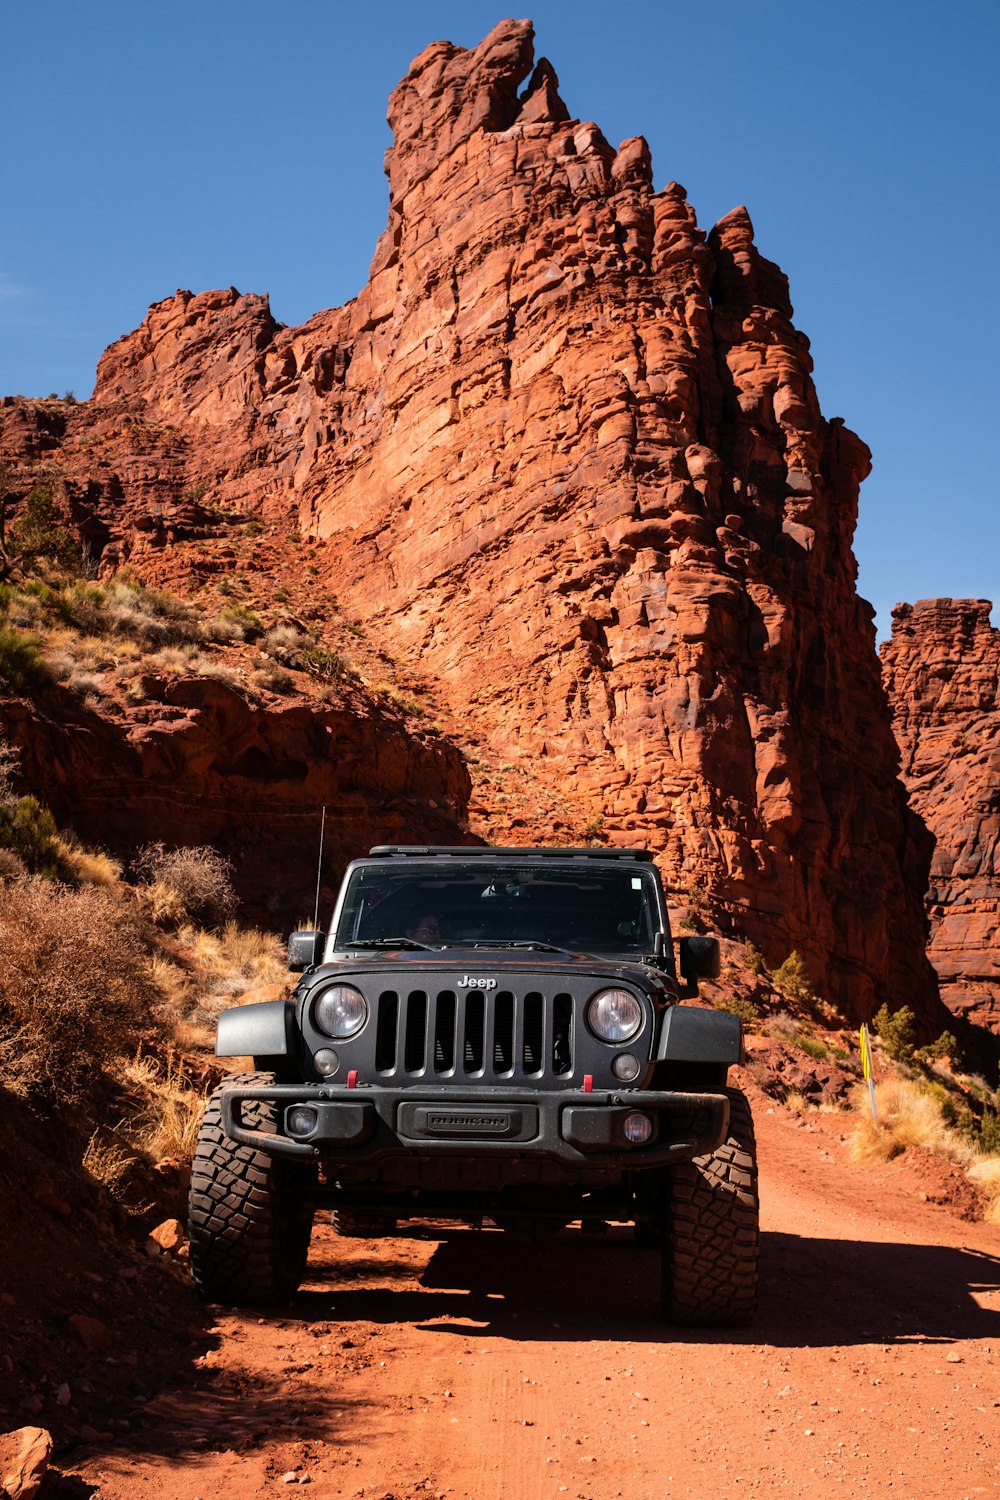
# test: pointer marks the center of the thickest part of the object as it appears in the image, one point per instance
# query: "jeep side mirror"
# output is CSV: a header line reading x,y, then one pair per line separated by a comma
x,y
304,950
699,959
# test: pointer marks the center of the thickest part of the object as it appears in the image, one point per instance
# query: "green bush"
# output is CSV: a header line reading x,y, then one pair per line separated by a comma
x,y
753,959
21,667
322,661
40,534
988,1136
740,1005
945,1046
812,1047
792,979
28,830
895,1031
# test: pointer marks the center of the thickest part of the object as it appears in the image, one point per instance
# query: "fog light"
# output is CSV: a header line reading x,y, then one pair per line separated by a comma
x,y
625,1067
302,1119
638,1129
327,1061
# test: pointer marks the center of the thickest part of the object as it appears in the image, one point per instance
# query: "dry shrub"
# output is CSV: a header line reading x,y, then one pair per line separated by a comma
x,y
272,679
986,1175
75,990
9,766
907,1116
11,866
167,1107
149,617
192,881
113,1166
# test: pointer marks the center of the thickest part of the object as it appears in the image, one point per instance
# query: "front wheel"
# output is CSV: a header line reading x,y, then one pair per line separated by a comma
x,y
712,1232
250,1213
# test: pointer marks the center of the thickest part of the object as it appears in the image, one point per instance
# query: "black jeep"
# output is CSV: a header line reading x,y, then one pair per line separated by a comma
x,y
485,1034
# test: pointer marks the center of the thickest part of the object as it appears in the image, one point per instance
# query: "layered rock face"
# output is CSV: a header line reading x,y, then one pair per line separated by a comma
x,y
942,673
198,764
564,450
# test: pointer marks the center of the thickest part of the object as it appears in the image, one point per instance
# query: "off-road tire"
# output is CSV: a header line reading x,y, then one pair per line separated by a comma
x,y
250,1214
711,1244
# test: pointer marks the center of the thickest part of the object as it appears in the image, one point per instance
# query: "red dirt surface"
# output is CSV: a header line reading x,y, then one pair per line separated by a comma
x,y
446,1362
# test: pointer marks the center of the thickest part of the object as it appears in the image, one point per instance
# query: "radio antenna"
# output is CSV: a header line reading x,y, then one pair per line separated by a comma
x,y
319,870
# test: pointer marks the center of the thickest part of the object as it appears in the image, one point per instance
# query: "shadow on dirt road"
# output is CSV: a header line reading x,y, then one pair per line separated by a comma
x,y
813,1291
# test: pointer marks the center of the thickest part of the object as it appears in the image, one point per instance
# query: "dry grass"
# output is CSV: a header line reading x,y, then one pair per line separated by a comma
x,y
910,1115
227,964
88,866
907,1116
166,1106
986,1176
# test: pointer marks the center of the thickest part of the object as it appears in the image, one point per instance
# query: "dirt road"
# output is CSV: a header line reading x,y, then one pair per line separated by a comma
x,y
454,1363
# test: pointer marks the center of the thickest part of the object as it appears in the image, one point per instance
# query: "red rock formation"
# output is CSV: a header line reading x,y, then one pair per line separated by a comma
x,y
200,764
564,451
942,674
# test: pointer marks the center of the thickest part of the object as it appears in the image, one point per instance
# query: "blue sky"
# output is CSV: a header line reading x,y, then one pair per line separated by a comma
x,y
235,142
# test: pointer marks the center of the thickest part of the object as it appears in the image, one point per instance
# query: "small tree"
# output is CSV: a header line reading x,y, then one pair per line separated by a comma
x,y
792,979
895,1031
40,534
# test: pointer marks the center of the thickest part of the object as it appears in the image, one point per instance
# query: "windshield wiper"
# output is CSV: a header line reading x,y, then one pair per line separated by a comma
x,y
539,947
390,942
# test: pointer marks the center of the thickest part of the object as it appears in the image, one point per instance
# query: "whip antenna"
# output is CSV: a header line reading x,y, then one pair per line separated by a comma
x,y
319,870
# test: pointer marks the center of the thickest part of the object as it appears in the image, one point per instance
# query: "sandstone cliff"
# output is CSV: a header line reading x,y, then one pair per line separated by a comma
x,y
942,673
199,763
563,450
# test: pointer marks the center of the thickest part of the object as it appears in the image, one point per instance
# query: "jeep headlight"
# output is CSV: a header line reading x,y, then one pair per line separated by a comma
x,y
340,1011
614,1015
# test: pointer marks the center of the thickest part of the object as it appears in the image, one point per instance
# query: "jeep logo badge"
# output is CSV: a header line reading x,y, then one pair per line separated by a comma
x,y
470,982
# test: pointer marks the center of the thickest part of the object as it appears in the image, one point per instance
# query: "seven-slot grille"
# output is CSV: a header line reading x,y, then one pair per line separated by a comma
x,y
453,1034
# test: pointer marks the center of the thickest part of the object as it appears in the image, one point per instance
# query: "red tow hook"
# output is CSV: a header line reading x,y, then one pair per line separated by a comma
x,y
352,1079
588,1083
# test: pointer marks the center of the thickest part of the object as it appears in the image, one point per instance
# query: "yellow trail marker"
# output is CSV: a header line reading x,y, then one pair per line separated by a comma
x,y
866,1066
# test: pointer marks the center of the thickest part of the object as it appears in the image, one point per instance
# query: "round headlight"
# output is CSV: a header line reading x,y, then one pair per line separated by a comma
x,y
340,1011
614,1015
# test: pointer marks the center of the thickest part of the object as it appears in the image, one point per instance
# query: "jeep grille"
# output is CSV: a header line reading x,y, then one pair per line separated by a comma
x,y
453,1034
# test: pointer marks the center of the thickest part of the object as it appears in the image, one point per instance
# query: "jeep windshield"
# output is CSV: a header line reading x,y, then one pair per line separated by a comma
x,y
576,907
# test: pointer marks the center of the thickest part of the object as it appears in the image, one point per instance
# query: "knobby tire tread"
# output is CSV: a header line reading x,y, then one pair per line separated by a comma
x,y
250,1215
711,1249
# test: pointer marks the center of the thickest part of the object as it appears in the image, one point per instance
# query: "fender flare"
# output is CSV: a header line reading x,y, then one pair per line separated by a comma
x,y
262,1031
706,1036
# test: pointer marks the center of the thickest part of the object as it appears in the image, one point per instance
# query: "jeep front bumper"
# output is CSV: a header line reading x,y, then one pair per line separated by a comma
x,y
573,1128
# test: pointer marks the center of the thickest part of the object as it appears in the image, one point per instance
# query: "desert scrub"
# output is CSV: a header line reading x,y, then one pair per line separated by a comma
x,y
22,669
238,622
189,881
753,959
75,989
907,1115
164,1105
28,831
